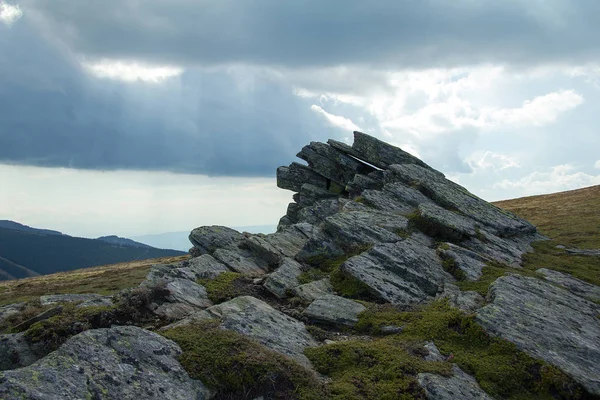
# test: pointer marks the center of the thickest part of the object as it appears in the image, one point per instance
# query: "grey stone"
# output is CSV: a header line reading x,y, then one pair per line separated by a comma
x,y
547,322
242,261
261,248
207,239
331,163
445,224
468,261
433,353
361,182
87,300
334,310
507,251
390,330
376,152
16,352
317,212
294,176
584,252
572,284
407,194
386,201
284,278
184,297
256,319
403,273
309,194
468,301
458,386
290,240
313,290
452,196
356,228
204,267
116,363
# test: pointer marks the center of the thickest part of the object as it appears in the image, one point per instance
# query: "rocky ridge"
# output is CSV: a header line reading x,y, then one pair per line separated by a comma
x,y
394,229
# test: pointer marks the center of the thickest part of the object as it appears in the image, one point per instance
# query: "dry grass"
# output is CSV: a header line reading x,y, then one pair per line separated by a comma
x,y
571,218
105,279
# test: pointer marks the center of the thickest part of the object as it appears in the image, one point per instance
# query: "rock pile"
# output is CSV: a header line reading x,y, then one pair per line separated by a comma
x,y
399,230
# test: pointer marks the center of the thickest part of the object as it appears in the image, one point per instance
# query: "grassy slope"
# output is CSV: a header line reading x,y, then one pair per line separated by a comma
x,y
571,218
106,279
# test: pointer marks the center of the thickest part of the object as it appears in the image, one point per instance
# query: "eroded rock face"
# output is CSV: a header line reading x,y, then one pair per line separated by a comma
x,y
206,239
116,363
548,323
572,284
16,352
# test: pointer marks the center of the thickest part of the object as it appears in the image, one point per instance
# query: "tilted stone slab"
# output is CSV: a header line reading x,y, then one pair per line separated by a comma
x,y
296,175
313,290
256,319
284,278
309,194
469,262
242,261
547,322
403,273
450,195
331,163
449,225
123,362
207,239
86,299
317,212
386,201
572,284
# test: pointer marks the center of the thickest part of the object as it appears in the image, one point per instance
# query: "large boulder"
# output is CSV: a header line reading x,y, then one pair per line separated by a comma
x,y
334,310
206,239
547,322
17,352
116,363
255,318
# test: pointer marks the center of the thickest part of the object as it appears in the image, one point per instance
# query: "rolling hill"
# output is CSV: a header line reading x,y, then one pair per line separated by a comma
x,y
26,251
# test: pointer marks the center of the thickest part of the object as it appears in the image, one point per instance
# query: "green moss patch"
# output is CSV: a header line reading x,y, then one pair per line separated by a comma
x,y
384,368
348,286
500,368
312,274
224,287
237,367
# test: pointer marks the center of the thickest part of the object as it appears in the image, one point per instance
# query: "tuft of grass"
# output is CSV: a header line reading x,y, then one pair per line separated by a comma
x,y
237,367
348,286
312,274
30,310
450,266
223,287
105,280
500,368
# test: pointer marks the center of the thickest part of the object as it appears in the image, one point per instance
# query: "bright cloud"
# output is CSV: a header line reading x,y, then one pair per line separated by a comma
x,y
559,178
597,165
491,161
336,120
131,71
9,13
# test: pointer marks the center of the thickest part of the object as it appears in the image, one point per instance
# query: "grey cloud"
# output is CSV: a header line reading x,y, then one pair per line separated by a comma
x,y
54,114
386,33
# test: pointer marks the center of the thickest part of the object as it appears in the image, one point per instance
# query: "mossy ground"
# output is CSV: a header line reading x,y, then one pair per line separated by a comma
x,y
386,367
237,367
222,288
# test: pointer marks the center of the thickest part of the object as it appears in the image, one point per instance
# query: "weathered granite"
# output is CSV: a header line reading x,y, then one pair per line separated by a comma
x,y
116,363
334,310
572,284
547,322
241,260
296,175
255,318
184,297
207,239
87,299
467,261
445,224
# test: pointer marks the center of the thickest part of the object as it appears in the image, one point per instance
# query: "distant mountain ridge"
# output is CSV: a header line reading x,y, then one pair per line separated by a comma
x,y
27,251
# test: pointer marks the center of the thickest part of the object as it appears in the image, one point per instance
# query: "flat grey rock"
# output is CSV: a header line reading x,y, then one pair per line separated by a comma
x,y
203,267
403,273
447,224
206,239
296,175
334,310
284,278
256,319
116,363
572,284
386,201
313,290
548,323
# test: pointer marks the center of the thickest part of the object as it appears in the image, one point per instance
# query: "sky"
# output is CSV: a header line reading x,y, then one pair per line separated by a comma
x,y
130,118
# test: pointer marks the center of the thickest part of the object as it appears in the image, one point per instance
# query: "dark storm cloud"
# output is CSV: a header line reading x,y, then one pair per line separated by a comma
x,y
394,33
219,122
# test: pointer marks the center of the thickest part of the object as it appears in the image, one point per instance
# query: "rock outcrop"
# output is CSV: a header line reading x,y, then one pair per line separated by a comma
x,y
367,217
